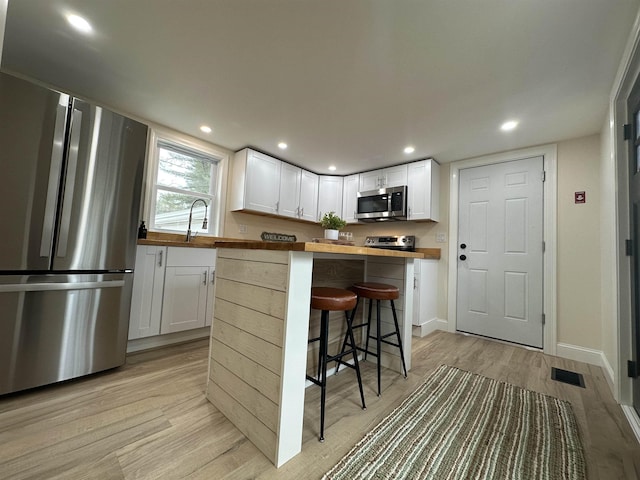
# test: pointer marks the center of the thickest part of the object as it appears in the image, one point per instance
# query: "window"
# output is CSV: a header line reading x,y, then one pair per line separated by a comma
x,y
183,175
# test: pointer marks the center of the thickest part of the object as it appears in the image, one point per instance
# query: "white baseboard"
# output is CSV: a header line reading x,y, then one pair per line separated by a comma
x,y
580,354
609,375
147,343
633,419
428,327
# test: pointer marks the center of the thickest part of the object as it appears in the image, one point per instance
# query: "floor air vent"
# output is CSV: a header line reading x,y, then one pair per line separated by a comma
x,y
565,376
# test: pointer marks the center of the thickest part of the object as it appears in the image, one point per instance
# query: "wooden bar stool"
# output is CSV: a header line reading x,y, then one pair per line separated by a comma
x,y
377,292
327,300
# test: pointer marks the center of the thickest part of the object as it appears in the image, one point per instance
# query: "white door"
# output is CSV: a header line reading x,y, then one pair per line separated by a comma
x,y
500,251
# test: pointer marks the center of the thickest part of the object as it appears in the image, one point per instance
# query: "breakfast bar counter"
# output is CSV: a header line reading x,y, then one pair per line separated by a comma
x,y
259,352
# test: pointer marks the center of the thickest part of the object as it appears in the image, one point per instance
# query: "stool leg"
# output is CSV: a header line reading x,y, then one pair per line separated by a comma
x,y
395,321
344,343
324,337
378,340
366,348
355,356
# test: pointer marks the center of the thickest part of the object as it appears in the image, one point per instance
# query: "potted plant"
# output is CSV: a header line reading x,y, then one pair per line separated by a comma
x,y
332,223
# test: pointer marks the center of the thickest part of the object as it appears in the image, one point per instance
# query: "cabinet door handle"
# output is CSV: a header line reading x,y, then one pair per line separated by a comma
x,y
213,277
160,258
277,206
298,211
302,212
319,216
204,279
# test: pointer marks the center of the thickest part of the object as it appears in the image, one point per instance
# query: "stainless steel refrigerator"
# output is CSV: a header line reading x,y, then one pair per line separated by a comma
x,y
70,184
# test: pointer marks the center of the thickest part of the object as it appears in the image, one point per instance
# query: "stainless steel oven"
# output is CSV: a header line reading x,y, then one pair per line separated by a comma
x,y
405,243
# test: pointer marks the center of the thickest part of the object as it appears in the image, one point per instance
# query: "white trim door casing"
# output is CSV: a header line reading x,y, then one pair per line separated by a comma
x,y
549,153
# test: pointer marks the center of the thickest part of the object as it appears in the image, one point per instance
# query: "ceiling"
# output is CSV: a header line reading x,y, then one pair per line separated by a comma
x,y
348,83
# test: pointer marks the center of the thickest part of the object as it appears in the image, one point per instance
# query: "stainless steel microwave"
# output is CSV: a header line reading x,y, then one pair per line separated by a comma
x,y
381,205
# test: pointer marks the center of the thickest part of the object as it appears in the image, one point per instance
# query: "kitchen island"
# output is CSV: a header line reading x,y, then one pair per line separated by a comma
x,y
259,352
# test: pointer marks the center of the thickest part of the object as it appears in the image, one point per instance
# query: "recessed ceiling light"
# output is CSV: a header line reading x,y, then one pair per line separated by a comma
x,y
205,129
508,126
282,145
409,149
79,23
332,168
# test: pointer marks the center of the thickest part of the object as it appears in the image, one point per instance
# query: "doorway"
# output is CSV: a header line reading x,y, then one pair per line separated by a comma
x,y
548,153
500,251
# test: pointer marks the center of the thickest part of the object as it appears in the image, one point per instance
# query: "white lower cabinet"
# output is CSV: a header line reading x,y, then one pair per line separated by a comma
x,y
180,296
148,286
425,292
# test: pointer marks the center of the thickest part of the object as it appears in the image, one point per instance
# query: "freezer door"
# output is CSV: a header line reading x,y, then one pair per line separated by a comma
x,y
102,188
31,148
58,327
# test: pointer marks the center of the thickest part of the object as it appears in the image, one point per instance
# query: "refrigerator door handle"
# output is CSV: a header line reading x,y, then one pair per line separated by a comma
x,y
69,184
57,150
43,287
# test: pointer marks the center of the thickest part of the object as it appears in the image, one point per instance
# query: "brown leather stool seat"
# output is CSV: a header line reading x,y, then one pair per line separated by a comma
x,y
378,292
333,299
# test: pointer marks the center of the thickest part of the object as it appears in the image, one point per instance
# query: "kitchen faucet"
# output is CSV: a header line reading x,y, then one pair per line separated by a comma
x,y
204,221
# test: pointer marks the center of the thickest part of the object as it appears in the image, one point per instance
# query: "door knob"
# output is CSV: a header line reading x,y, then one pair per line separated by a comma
x,y
463,257
463,246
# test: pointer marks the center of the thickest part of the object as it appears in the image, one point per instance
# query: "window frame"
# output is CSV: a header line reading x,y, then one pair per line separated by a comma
x,y
217,197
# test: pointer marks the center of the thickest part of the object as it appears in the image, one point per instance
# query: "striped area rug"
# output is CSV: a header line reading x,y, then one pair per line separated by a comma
x,y
459,425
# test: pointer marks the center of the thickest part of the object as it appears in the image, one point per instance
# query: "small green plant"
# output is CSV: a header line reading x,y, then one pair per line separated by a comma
x,y
331,221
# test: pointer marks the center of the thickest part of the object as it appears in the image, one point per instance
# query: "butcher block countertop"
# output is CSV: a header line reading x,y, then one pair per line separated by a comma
x,y
318,248
177,240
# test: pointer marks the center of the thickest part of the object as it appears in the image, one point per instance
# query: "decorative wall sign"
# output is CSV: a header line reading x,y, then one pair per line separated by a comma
x,y
580,197
277,237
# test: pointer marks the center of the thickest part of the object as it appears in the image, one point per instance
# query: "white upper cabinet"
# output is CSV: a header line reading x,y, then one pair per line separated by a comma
x,y
261,183
298,193
423,191
308,196
329,195
289,182
255,182
385,177
350,198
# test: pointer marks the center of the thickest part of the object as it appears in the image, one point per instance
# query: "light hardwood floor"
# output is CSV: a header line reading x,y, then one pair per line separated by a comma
x,y
150,420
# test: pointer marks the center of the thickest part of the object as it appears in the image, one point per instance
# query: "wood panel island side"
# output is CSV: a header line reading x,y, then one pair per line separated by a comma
x,y
259,352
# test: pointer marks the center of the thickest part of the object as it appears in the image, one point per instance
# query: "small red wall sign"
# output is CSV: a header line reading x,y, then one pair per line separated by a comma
x,y
580,197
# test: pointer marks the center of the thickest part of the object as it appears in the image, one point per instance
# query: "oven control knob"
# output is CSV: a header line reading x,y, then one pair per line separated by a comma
x,y
404,240
463,257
